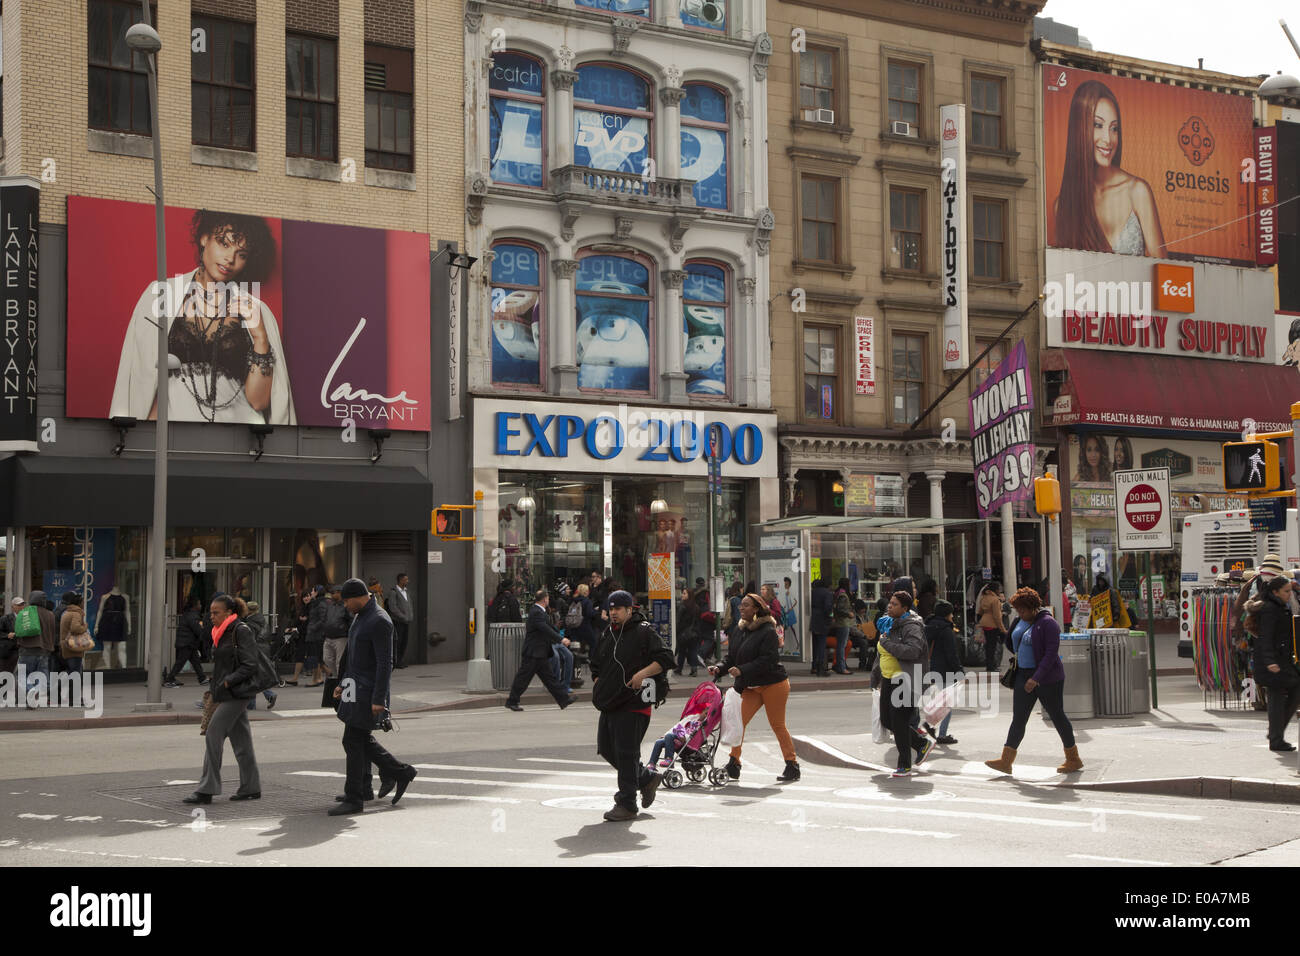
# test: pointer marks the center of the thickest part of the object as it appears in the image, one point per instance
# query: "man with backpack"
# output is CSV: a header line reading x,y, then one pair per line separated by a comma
x,y
628,670
35,632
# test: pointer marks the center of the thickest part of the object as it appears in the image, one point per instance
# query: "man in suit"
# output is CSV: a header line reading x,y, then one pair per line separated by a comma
x,y
538,639
363,697
398,606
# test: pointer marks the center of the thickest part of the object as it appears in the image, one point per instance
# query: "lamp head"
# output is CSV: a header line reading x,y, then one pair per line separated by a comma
x,y
143,38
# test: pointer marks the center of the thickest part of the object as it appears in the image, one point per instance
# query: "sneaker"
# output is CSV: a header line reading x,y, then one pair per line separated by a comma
x,y
648,791
1282,748
619,814
733,768
666,762
202,681
902,772
924,752
947,740
171,683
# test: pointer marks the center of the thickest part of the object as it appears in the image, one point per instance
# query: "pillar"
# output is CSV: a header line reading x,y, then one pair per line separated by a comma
x,y
670,117
561,329
1009,570
562,81
936,513
672,335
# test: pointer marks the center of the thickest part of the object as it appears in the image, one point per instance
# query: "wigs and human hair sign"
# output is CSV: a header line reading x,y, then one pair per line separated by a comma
x,y
270,321
20,215
952,204
1146,169
1001,427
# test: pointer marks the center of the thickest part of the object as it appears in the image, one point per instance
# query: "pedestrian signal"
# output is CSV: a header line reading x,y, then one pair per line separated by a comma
x,y
1251,466
448,523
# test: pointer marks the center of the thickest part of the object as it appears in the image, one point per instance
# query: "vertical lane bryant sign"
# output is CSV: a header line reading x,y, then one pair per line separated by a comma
x,y
1001,420
20,216
1143,510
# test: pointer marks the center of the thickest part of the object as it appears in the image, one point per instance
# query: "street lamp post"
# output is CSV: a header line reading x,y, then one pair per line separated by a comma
x,y
143,38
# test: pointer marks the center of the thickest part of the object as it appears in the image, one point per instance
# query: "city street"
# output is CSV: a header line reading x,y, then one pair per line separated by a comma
x,y
498,788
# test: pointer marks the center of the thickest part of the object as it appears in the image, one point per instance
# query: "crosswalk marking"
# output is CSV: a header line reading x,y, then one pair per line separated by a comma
x,y
582,763
1116,859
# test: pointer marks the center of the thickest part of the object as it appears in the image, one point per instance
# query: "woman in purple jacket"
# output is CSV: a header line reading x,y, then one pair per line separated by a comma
x,y
1040,676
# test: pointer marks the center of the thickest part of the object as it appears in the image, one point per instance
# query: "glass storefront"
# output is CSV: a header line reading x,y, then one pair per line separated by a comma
x,y
560,535
871,561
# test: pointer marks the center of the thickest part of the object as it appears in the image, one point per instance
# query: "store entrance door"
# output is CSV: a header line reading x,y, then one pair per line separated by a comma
x,y
184,585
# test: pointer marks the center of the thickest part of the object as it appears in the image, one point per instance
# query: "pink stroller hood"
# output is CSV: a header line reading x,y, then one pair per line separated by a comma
x,y
706,700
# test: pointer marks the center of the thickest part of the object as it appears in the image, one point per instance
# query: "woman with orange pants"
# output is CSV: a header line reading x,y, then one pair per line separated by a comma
x,y
754,662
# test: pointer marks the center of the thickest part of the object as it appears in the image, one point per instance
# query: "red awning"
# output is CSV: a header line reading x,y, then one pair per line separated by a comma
x,y
1110,389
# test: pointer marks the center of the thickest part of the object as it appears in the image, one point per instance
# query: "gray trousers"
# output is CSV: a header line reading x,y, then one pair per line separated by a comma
x,y
230,720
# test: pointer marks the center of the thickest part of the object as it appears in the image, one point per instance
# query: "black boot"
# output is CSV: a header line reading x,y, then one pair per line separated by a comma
x,y
733,768
791,772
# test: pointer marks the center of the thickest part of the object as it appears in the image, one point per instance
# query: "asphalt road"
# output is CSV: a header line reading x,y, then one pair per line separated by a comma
x,y
498,788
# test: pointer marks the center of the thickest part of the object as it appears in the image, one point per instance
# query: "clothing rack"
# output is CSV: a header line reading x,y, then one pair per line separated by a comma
x,y
1222,666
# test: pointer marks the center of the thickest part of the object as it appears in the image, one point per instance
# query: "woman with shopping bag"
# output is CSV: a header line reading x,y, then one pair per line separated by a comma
x,y
945,662
761,681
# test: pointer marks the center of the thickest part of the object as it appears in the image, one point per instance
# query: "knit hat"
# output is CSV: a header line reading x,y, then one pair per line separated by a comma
x,y
1271,567
621,599
355,587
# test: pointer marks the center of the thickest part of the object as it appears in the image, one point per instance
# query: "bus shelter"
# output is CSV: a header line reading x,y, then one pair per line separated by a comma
x,y
869,552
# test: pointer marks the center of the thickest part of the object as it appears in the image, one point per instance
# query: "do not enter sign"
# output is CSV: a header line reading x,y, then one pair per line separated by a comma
x,y
1143,515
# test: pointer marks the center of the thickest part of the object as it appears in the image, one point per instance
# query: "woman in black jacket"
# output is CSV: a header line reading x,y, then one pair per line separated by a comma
x,y
234,673
688,633
945,661
1269,618
189,634
753,660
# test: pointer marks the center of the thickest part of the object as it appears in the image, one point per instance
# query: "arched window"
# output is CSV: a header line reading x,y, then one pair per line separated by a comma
x,y
516,314
517,105
705,303
612,118
704,143
615,302
624,8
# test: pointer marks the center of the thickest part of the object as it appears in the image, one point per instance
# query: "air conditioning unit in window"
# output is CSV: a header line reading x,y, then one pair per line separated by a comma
x,y
819,116
899,128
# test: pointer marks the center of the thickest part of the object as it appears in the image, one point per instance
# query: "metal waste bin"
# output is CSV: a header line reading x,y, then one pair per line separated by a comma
x,y
1112,690
505,648
1076,656
1139,671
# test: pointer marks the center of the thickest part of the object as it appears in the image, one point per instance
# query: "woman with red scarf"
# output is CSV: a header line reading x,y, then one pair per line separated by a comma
x,y
234,668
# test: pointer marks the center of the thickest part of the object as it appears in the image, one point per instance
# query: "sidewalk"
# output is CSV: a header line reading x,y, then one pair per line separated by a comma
x,y
1180,749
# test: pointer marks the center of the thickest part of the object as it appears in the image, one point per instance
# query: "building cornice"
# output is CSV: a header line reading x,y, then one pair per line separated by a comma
x,y
1170,73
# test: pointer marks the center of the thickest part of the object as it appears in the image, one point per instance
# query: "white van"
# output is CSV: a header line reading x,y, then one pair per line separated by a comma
x,y
1222,541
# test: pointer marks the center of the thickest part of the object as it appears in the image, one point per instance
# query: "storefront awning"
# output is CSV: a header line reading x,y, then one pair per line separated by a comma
x,y
1107,389
40,489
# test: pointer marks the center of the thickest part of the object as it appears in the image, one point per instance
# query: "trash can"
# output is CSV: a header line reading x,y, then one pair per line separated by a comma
x,y
1112,691
1076,656
1139,671
505,648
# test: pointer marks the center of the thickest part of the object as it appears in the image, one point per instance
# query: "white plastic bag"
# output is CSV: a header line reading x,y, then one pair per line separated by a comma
x,y
879,735
733,727
939,705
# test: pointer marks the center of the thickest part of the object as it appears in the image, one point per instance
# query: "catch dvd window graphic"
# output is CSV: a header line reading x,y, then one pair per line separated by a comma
x,y
515,110
612,114
1146,169
711,14
613,334
704,143
516,314
704,303
629,8
270,321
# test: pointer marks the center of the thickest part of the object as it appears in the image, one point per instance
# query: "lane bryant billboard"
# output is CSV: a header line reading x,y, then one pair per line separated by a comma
x,y
273,321
1146,169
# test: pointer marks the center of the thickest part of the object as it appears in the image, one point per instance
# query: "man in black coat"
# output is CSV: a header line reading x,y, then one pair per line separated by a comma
x,y
537,655
363,697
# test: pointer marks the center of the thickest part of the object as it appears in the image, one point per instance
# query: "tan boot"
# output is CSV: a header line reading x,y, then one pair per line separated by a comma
x,y
1072,761
1003,763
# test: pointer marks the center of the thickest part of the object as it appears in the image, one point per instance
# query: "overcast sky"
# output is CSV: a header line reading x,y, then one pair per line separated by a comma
x,y
1242,37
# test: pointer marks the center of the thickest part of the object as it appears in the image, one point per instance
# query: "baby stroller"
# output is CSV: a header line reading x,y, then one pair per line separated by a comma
x,y
696,755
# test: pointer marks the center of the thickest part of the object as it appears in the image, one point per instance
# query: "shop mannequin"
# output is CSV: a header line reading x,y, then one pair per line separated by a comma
x,y
112,625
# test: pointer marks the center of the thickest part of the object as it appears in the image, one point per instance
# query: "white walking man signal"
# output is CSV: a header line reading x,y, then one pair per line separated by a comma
x,y
1256,463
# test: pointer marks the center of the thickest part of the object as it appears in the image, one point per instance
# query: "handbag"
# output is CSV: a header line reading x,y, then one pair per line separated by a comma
x,y
264,678
1009,678
209,708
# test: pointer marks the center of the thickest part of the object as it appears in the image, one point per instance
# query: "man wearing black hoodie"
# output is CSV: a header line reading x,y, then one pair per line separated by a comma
x,y
627,658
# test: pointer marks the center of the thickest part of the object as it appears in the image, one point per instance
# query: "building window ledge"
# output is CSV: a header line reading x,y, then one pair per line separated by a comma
x,y
845,133
390,179
119,144
224,158
997,285
1010,155
930,144
805,265
889,275
305,168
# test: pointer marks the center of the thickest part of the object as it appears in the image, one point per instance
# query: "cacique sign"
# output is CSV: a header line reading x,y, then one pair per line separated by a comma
x,y
557,436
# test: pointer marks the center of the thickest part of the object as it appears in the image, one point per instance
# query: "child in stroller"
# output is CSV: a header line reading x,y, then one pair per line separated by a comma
x,y
696,736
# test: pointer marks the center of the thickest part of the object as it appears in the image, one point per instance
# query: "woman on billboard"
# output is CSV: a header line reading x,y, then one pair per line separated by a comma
x,y
1100,207
225,361
1093,463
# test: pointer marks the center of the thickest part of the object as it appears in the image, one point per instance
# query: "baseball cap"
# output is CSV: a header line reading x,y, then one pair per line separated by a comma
x,y
17,602
621,599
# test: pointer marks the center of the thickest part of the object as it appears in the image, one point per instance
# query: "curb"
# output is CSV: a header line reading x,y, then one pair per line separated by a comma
x,y
87,723
1206,788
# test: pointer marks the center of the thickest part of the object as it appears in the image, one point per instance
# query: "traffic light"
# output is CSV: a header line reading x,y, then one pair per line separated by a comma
x,y
449,525
1047,495
1251,466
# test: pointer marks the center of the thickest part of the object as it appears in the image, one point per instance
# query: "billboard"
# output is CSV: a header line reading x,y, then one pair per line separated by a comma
x,y
272,321
1146,169
1001,427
